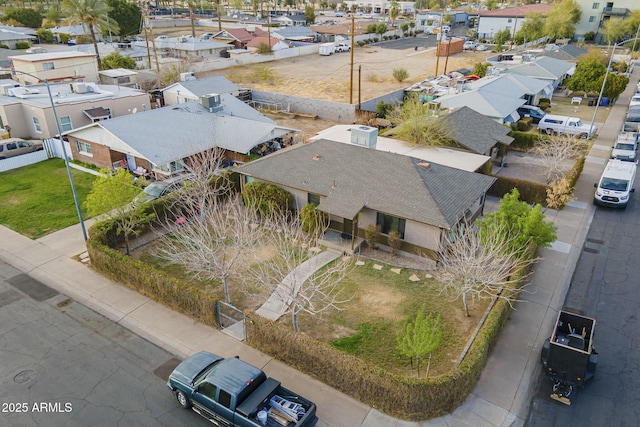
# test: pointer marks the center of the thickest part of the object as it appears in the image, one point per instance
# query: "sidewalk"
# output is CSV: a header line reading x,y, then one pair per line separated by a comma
x,y
501,396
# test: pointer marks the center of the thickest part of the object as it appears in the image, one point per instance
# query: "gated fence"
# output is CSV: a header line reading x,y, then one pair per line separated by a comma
x,y
231,320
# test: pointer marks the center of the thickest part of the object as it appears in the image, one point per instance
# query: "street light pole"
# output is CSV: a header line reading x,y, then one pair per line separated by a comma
x,y
64,149
604,83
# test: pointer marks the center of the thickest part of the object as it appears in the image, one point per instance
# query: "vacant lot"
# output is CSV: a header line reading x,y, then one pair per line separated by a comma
x,y
37,200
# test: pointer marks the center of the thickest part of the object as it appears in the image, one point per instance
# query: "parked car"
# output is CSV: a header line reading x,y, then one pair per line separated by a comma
x,y
635,100
343,47
481,47
338,15
367,16
625,147
12,147
616,184
551,124
469,45
532,111
158,189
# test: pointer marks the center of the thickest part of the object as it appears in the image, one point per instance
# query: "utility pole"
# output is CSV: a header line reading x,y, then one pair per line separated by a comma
x,y
353,20
153,41
439,41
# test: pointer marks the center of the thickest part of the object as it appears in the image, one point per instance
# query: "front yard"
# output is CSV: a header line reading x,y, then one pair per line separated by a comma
x,y
382,298
37,200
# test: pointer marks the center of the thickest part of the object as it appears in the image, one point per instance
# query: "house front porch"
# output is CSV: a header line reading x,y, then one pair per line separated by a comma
x,y
341,242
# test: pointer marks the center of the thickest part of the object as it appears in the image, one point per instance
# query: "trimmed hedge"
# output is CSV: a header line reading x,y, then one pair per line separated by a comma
x,y
523,141
530,192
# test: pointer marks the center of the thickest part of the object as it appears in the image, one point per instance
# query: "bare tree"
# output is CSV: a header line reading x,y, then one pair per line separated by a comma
x,y
296,278
216,244
557,152
481,268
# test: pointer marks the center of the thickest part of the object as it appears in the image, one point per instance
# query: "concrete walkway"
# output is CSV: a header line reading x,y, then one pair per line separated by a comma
x,y
280,300
500,398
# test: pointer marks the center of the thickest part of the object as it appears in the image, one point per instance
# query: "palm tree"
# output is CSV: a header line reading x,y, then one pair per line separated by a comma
x,y
93,14
393,12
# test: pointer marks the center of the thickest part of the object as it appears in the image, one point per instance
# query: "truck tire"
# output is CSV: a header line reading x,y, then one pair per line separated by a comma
x,y
583,136
183,400
548,131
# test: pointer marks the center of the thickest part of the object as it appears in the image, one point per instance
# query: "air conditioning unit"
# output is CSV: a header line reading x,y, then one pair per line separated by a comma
x,y
79,88
187,76
211,102
5,89
365,136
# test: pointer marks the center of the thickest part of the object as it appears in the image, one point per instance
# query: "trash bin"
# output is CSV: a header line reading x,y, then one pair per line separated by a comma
x,y
591,102
604,102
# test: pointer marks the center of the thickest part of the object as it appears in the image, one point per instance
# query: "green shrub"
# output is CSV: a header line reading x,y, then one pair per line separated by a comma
x,y
524,124
4,46
45,35
23,45
266,199
530,192
394,241
400,74
547,100
311,219
544,105
371,235
524,141
64,38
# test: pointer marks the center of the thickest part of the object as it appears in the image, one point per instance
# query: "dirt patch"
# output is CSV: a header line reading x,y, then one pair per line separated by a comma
x,y
383,301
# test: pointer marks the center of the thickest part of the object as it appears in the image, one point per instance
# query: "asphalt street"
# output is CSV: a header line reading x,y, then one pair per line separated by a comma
x,y
606,286
63,364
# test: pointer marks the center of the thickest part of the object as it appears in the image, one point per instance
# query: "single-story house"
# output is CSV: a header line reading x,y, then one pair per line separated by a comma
x,y
160,140
511,18
236,37
276,44
9,35
565,52
119,77
193,90
515,86
27,109
552,70
501,108
138,53
292,20
357,187
295,34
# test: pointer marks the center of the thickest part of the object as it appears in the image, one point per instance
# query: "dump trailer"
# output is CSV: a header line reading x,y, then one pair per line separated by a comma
x,y
569,358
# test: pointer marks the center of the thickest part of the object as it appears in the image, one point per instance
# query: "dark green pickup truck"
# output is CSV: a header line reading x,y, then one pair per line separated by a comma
x,y
230,392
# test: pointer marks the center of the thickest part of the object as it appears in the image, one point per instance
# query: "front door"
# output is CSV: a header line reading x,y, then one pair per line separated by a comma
x,y
347,226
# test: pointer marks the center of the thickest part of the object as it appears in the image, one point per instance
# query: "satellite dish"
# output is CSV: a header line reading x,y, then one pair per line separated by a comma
x,y
135,110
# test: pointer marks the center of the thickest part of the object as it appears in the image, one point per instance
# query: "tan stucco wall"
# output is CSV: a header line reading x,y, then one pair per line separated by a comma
x,y
86,67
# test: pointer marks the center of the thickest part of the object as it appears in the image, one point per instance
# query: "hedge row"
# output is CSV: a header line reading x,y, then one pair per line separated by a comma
x,y
524,141
530,192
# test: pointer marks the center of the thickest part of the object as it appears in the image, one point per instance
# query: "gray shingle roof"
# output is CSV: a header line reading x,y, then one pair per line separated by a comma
x,y
214,84
172,133
487,103
543,67
352,177
475,131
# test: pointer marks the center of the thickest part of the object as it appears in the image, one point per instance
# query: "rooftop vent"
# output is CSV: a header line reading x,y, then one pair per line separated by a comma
x,y
424,165
316,157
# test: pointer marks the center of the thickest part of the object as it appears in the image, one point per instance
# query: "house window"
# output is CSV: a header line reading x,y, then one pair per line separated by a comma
x,y
65,123
36,125
389,223
509,20
592,19
596,6
47,66
313,199
83,148
170,168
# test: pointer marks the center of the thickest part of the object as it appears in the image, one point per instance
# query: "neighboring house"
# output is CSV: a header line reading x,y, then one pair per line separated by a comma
x,y
276,44
565,52
357,187
293,20
75,30
511,18
427,21
381,6
56,66
27,109
236,37
552,70
500,108
137,52
295,34
184,47
5,54
160,140
595,13
478,133
120,77
515,86
193,90
9,36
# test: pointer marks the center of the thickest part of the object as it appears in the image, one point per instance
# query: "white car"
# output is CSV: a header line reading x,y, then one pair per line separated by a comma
x,y
481,47
635,100
367,16
469,45
343,47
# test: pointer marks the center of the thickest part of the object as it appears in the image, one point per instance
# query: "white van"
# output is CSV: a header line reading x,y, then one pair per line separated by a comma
x,y
616,184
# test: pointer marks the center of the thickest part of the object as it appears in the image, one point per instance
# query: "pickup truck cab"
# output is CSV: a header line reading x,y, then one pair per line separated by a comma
x,y
552,124
343,47
625,147
230,392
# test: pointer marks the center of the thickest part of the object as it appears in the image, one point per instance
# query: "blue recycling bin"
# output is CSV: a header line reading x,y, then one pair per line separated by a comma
x,y
604,102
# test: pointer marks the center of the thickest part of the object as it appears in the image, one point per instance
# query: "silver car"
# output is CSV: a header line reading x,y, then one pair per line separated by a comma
x,y
12,147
